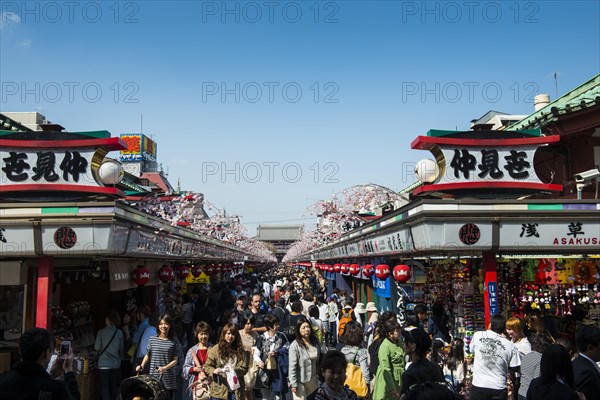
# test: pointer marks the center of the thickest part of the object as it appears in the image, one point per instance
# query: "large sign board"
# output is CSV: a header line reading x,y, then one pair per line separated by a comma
x,y
497,160
139,148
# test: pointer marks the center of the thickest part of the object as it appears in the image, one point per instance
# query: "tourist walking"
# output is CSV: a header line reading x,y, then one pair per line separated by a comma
x,y
194,375
304,356
514,329
270,372
416,344
388,379
530,363
227,363
332,372
162,355
585,367
495,357
556,380
109,343
354,351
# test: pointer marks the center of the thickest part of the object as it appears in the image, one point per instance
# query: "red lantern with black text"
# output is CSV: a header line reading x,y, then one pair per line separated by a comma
x,y
141,275
196,270
368,270
337,268
382,271
354,269
182,271
166,274
402,273
345,268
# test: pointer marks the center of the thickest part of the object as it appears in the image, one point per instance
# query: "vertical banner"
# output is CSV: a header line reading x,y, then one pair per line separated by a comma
x,y
490,286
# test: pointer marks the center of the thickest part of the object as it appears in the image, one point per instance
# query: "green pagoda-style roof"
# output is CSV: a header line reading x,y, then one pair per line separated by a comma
x,y
586,95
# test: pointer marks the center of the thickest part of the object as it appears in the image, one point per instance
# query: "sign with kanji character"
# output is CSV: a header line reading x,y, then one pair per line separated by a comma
x,y
469,162
55,162
576,233
139,148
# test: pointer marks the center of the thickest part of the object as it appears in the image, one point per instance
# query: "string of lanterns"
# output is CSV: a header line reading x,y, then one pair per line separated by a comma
x,y
167,273
401,272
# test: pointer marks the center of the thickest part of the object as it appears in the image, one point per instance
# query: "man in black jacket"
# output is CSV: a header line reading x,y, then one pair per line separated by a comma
x,y
585,369
28,378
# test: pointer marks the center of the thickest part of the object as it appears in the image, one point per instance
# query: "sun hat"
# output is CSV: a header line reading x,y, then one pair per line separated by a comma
x,y
360,308
371,306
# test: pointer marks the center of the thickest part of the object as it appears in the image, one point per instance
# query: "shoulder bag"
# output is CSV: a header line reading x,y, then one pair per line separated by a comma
x,y
355,379
108,344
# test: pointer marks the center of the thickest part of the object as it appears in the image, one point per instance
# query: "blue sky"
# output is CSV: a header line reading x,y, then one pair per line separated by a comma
x,y
334,90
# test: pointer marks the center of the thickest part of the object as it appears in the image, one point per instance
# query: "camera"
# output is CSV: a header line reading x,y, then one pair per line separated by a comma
x,y
587,175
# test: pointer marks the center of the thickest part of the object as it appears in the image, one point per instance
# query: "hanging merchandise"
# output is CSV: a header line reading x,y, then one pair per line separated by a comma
x,y
141,275
166,274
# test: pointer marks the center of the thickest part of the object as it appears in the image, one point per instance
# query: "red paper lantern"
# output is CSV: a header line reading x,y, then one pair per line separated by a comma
x,y
210,270
345,268
337,267
183,271
196,270
141,275
330,268
402,273
354,269
368,270
166,274
382,271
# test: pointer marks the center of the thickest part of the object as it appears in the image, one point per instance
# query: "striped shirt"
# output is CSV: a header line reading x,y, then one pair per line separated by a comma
x,y
162,352
530,369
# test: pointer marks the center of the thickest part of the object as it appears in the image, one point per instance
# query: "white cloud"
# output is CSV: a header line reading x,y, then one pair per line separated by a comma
x,y
25,42
7,17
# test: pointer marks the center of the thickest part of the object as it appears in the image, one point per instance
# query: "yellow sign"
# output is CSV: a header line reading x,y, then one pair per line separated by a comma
x,y
203,278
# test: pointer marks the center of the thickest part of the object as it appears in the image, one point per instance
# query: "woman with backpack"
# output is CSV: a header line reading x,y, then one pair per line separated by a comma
x,y
356,355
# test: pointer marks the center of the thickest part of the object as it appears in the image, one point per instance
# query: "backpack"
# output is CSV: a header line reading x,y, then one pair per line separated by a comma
x,y
355,379
346,317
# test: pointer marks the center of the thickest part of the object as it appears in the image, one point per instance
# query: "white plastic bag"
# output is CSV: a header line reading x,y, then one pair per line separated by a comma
x,y
232,380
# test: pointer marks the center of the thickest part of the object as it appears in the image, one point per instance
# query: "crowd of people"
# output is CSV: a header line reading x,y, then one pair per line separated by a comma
x,y
284,336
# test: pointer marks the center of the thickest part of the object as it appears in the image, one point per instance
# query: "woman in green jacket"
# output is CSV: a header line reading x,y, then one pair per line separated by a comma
x,y
227,355
391,363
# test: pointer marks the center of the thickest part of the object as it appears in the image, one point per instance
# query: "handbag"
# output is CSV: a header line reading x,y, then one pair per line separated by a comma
x,y
355,379
251,375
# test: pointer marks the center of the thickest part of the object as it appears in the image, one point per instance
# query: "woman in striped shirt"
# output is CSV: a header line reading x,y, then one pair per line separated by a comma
x,y
162,354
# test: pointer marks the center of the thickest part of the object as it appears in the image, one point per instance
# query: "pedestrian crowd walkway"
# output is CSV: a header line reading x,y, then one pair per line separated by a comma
x,y
279,334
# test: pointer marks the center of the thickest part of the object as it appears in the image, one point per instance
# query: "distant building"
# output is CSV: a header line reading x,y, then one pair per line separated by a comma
x,y
33,121
279,237
495,120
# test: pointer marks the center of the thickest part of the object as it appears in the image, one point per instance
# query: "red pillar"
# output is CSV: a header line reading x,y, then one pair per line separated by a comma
x,y
44,293
490,286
